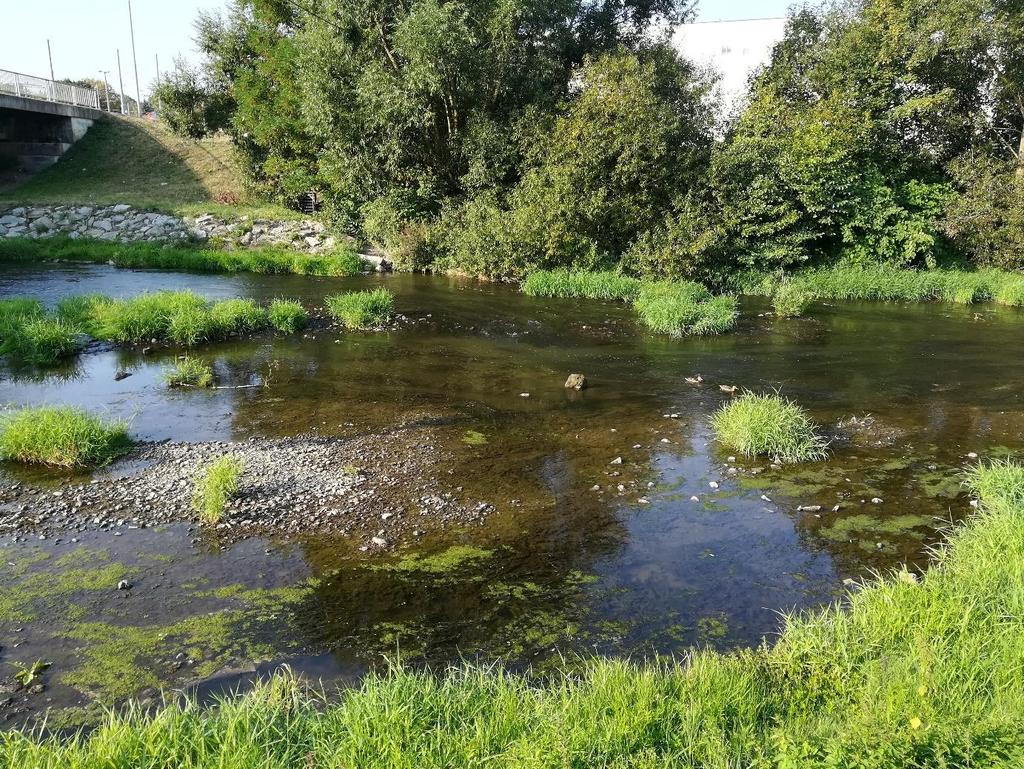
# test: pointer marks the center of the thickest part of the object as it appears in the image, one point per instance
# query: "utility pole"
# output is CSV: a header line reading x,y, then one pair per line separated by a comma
x,y
106,87
135,62
159,106
120,82
49,53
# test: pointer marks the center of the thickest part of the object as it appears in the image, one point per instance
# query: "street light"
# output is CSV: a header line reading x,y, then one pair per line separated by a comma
x,y
106,88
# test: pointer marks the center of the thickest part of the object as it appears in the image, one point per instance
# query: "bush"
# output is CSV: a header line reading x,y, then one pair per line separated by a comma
x,y
287,315
189,372
682,308
362,309
768,425
216,486
790,300
61,436
580,284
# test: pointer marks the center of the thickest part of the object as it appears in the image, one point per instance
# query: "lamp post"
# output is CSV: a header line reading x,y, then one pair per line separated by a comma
x,y
106,87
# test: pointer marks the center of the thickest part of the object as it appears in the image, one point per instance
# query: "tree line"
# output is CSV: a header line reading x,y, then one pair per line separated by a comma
x,y
495,137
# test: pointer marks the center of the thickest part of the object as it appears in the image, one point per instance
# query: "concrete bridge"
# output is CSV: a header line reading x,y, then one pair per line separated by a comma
x,y
40,119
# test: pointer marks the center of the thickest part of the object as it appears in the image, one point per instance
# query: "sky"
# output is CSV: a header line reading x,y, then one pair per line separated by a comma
x,y
85,35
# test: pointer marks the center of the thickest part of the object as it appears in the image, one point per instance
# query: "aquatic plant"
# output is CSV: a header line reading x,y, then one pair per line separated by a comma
x,y
906,671
60,436
238,316
14,312
287,315
581,284
189,372
790,300
891,284
768,425
680,308
362,309
272,260
27,674
39,340
216,486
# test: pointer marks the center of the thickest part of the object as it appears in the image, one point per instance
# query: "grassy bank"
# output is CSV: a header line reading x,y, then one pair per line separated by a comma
x,y
909,672
148,255
886,284
677,308
140,162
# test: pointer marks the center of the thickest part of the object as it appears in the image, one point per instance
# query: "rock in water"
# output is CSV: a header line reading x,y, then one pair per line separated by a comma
x,y
576,382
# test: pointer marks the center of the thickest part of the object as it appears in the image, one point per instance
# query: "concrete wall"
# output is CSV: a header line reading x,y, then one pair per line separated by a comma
x,y
34,134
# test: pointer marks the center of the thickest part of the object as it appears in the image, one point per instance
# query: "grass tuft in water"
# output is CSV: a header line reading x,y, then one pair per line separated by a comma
x,y
40,341
790,300
287,315
768,425
581,285
362,309
60,436
682,308
189,372
906,671
216,486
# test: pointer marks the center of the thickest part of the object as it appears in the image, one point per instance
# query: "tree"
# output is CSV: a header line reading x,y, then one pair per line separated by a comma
x,y
192,105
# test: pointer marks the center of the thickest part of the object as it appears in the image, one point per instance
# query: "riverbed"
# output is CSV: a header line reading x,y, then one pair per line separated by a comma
x,y
601,521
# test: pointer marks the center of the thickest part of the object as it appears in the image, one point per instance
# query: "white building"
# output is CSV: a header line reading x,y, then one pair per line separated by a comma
x,y
733,48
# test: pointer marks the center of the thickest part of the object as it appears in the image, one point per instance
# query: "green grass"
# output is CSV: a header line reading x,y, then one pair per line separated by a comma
x,y
682,308
184,258
768,425
362,309
216,486
288,315
581,285
790,300
189,372
889,284
40,341
60,436
905,672
142,163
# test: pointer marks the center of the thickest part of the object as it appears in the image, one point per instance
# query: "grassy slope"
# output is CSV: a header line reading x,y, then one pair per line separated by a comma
x,y
123,160
909,673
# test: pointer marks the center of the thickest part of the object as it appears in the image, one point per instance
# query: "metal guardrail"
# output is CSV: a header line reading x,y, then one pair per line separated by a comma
x,y
28,87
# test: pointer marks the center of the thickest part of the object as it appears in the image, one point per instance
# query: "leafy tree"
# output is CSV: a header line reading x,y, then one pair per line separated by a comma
x,y
192,105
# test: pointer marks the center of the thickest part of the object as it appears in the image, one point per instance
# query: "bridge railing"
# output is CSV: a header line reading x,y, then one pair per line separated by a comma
x,y
28,87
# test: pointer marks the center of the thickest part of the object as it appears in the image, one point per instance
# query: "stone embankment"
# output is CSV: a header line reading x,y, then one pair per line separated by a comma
x,y
124,224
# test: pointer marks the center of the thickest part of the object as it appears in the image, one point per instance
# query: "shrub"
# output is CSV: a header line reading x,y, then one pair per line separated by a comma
x,y
287,315
189,372
39,341
790,300
681,308
768,425
60,436
588,285
217,485
362,309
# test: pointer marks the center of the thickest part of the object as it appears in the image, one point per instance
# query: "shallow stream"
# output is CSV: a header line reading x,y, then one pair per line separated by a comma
x,y
569,563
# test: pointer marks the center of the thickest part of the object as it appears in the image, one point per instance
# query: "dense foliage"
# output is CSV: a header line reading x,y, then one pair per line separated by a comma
x,y
498,137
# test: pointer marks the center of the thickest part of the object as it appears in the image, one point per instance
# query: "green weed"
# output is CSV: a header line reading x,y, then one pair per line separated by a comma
x,y
60,436
216,486
39,340
189,372
681,308
581,284
768,425
288,316
362,309
790,300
